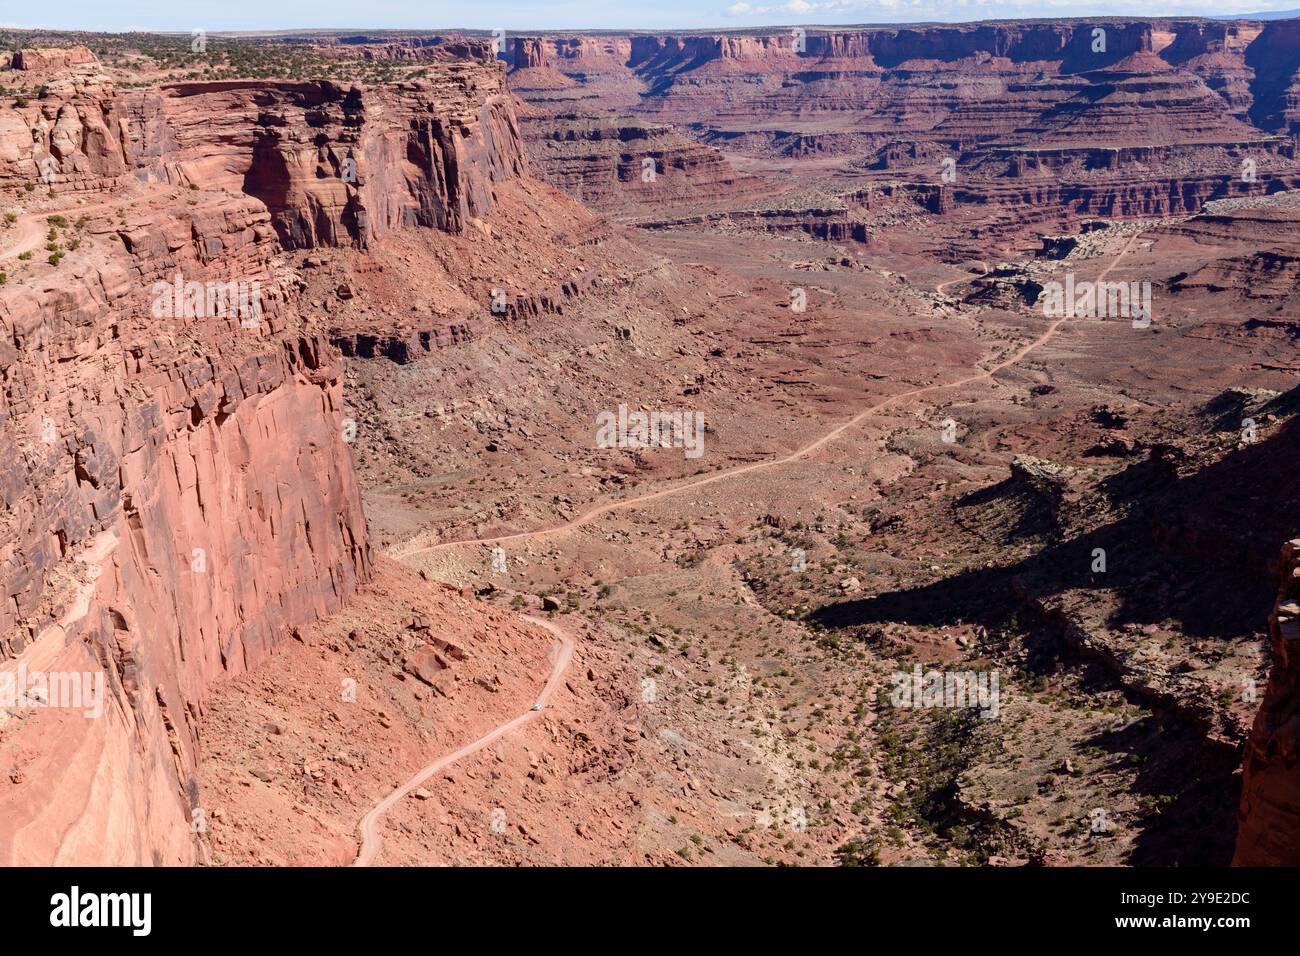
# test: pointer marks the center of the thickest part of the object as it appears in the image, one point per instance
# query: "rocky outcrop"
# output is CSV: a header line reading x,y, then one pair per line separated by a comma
x,y
834,225
1269,822
52,58
73,138
528,53
407,345
422,49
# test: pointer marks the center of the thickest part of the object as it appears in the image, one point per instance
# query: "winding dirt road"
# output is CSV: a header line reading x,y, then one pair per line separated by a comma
x,y
629,503
984,270
370,842
370,822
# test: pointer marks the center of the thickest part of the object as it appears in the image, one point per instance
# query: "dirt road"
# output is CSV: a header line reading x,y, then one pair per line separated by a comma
x,y
30,232
630,503
369,824
370,842
33,228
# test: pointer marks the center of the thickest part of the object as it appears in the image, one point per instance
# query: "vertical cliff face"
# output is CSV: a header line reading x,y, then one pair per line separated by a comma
x,y
527,53
1275,88
179,493
338,166
52,58
1269,821
181,497
432,153
697,78
585,54
581,145
1073,44
1198,39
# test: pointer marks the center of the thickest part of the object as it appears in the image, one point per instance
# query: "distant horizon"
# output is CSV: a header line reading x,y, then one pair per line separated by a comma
x,y
589,16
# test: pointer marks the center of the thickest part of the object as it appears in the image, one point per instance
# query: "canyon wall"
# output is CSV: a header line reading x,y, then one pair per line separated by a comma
x,y
1268,831
339,166
1045,123
585,144
917,76
181,494
1274,59
1074,44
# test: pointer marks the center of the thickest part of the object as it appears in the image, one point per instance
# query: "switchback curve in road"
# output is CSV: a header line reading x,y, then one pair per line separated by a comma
x,y
370,842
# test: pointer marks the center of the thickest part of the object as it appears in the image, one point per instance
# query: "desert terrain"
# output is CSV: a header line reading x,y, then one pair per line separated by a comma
x,y
323,356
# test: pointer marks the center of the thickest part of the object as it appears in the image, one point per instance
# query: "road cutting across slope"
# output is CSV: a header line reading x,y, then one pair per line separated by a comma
x,y
32,229
631,503
370,842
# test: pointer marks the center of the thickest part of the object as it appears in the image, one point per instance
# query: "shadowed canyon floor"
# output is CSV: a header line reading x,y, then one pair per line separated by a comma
x,y
371,582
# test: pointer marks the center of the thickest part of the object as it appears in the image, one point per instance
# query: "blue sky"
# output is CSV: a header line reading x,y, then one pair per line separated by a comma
x,y
514,15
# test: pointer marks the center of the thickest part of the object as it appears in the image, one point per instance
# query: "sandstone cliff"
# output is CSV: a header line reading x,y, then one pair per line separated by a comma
x,y
1269,821
181,493
183,496
73,138
1047,121
610,160
341,166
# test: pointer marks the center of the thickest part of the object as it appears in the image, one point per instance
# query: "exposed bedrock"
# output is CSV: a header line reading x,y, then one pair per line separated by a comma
x,y
52,58
612,161
180,494
1094,81
181,497
341,166
74,139
1268,831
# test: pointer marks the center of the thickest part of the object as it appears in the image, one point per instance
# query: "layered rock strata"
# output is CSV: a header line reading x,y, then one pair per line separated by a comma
x,y
181,494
